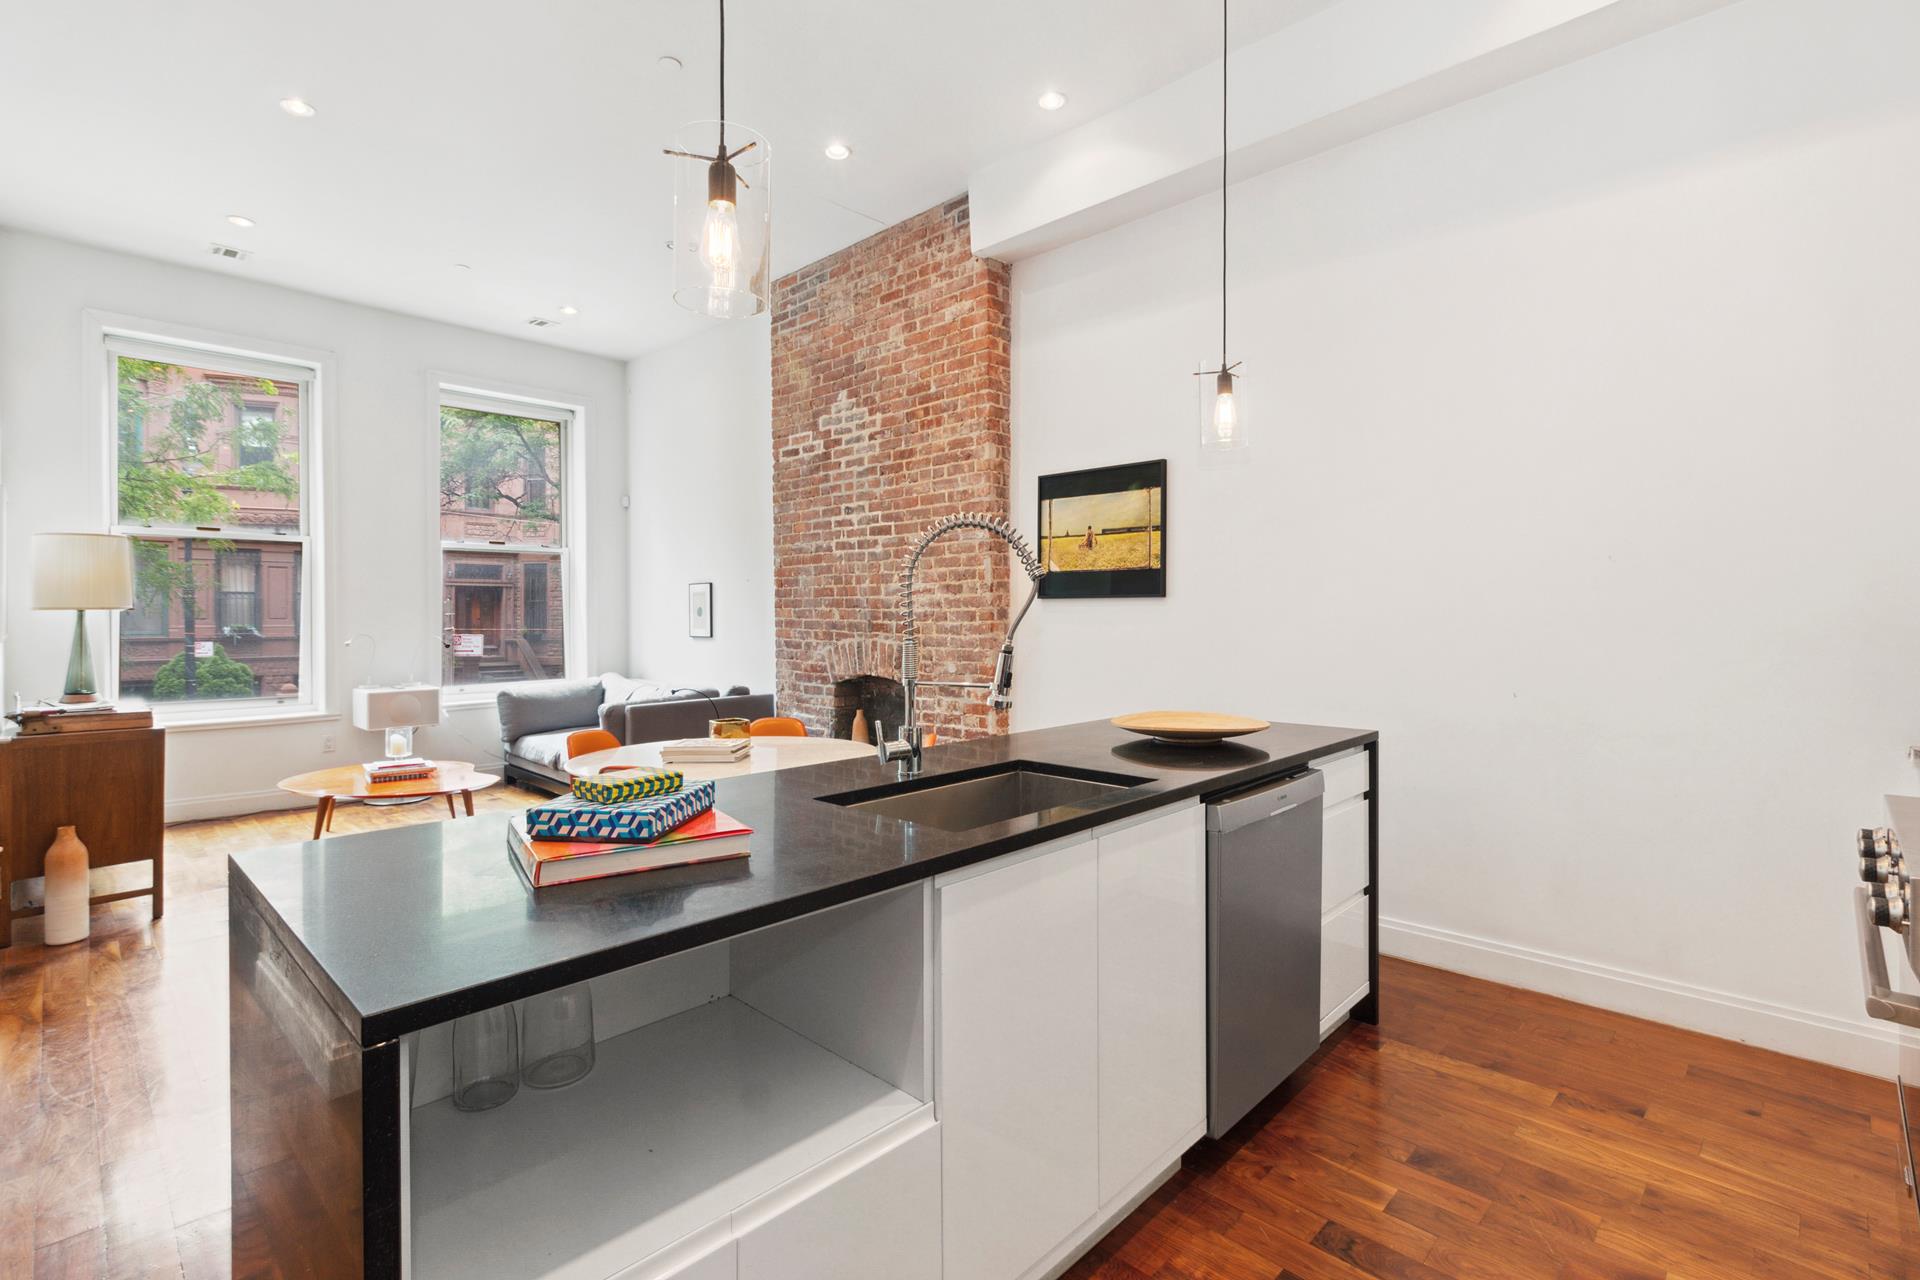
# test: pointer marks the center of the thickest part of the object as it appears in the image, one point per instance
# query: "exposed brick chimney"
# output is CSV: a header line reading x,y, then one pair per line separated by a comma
x,y
891,392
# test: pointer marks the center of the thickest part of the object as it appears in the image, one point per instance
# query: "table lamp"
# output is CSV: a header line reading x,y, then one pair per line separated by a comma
x,y
82,571
395,711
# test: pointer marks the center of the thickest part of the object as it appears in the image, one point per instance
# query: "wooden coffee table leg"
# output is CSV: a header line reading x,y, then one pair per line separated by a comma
x,y
468,797
450,812
320,815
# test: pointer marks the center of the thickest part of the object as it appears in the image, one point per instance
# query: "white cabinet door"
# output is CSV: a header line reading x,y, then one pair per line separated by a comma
x,y
1018,1071
1343,852
1153,992
879,1221
1343,957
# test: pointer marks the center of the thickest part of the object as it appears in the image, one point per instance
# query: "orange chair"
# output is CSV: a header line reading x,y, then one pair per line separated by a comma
x,y
582,741
777,727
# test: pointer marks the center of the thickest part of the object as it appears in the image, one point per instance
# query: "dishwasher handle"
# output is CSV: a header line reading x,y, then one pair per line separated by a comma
x,y
1266,800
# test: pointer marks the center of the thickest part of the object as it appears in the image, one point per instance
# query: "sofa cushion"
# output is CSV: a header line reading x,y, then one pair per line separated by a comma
x,y
546,705
548,750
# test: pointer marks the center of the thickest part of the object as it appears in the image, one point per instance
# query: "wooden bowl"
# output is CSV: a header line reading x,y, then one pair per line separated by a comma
x,y
1188,727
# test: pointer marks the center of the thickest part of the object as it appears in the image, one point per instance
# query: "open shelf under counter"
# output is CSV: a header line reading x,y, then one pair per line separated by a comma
x,y
680,1123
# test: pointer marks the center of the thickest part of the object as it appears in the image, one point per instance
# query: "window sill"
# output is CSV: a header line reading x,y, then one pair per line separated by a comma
x,y
472,699
239,720
468,697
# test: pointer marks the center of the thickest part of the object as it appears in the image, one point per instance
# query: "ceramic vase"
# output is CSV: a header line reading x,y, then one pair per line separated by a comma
x,y
858,733
68,917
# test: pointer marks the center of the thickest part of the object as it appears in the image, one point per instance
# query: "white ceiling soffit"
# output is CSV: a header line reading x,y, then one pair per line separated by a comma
x,y
1341,73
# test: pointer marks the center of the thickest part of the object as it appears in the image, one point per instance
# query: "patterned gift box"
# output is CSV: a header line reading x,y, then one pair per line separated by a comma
x,y
636,823
619,788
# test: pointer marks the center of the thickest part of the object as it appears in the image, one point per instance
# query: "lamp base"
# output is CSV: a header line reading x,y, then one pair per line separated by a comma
x,y
80,687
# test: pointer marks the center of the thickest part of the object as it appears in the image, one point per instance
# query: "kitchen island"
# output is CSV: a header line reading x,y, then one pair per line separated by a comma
x,y
875,1047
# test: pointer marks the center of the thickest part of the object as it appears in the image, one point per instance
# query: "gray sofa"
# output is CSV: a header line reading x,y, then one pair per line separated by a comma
x,y
536,718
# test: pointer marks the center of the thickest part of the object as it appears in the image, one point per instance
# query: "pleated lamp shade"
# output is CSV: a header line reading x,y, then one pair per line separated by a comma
x,y
82,571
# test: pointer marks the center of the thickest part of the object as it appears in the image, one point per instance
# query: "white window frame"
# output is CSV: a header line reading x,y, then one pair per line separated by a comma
x,y
522,403
110,337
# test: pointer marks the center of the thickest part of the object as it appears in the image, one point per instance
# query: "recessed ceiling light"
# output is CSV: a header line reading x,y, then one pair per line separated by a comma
x,y
463,266
667,62
239,219
567,309
1052,100
297,107
838,151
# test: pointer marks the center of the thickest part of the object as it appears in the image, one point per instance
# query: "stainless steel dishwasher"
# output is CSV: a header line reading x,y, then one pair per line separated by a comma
x,y
1263,941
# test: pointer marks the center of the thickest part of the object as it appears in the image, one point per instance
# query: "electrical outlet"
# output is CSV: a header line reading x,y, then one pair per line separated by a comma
x,y
326,745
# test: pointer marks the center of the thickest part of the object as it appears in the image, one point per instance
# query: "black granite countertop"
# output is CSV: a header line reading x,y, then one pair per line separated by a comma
x,y
406,928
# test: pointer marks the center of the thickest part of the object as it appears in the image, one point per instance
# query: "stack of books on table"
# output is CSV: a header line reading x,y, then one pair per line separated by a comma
x,y
86,717
400,769
571,839
706,751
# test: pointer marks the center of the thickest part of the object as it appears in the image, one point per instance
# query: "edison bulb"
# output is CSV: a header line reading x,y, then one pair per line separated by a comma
x,y
720,242
1226,418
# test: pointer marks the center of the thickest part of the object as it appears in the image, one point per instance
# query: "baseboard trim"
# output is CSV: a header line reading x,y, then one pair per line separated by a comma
x,y
232,804
239,804
1801,1033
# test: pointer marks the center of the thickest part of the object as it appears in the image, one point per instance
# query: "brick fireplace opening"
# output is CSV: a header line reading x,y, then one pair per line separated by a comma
x,y
891,395
864,672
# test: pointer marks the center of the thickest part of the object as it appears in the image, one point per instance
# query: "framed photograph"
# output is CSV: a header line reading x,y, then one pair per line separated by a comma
x,y
1103,532
700,610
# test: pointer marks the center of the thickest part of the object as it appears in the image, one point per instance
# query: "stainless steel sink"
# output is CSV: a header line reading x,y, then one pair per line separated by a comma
x,y
961,804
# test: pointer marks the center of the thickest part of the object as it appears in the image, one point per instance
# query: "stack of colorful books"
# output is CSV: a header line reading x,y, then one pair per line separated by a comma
x,y
399,769
575,838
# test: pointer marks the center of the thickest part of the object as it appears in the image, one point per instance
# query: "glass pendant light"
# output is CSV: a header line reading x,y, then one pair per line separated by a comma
x,y
722,211
1223,417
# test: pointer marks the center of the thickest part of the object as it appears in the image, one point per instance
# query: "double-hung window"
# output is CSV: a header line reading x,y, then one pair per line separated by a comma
x,y
504,520
210,479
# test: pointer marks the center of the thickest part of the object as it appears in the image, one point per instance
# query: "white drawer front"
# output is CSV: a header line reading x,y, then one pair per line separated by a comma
x,y
1343,852
1343,954
1346,776
879,1221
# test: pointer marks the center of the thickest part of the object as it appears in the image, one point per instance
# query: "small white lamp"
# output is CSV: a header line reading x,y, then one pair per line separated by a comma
x,y
82,571
396,711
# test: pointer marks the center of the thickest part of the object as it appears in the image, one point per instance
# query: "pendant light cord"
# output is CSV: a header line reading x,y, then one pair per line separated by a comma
x,y
1223,184
723,79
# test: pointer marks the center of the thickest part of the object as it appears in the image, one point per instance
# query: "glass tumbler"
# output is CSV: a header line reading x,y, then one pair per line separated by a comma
x,y
557,1032
486,1059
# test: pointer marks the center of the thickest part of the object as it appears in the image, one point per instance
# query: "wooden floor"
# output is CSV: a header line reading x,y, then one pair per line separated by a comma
x,y
113,1068
1480,1132
1487,1133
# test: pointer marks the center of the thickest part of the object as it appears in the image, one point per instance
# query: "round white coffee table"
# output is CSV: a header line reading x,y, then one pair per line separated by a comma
x,y
767,755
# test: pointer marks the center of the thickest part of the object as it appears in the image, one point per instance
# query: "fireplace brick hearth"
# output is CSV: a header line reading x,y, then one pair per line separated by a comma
x,y
891,393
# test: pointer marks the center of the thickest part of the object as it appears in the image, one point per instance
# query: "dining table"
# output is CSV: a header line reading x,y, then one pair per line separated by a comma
x,y
765,755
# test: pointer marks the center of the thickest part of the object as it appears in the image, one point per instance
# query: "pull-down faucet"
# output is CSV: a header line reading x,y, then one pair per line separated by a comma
x,y
1000,689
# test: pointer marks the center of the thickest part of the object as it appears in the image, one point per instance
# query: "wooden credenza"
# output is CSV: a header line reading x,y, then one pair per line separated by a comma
x,y
106,784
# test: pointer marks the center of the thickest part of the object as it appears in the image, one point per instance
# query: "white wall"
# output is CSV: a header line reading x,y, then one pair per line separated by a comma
x,y
702,482
1587,411
380,532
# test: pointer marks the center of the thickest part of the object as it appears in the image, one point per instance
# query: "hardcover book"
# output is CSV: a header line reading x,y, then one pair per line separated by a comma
x,y
636,822
711,837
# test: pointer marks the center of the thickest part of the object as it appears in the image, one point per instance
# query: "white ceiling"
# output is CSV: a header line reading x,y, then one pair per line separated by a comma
x,y
523,137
